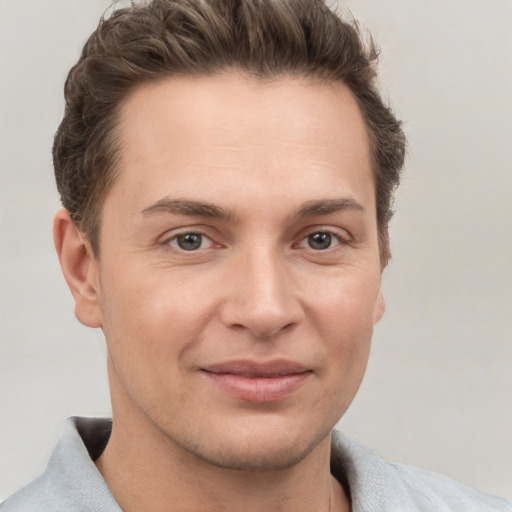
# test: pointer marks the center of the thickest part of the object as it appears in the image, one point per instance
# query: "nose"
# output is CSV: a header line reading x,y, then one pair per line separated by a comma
x,y
262,296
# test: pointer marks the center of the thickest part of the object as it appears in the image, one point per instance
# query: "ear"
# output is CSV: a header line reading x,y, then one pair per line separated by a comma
x,y
380,307
80,268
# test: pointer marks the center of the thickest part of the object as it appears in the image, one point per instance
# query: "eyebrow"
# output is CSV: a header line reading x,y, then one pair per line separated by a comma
x,y
188,207
201,209
327,206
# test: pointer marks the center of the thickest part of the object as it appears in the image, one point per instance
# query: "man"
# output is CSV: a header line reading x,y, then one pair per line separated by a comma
x,y
227,170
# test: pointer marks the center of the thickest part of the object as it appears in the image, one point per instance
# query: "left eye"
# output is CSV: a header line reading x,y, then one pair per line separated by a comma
x,y
320,241
190,241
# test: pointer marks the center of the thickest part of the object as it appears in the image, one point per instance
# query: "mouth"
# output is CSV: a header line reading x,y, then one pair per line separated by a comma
x,y
258,382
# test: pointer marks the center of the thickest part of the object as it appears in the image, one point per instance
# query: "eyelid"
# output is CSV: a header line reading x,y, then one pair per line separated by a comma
x,y
206,242
303,242
173,234
340,234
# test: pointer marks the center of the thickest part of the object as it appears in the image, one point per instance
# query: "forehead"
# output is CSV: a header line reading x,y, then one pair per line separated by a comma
x,y
236,131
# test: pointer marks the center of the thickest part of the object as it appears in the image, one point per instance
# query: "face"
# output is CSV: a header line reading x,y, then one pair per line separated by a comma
x,y
238,280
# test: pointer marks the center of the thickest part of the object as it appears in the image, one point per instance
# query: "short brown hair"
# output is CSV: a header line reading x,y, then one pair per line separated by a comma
x,y
163,38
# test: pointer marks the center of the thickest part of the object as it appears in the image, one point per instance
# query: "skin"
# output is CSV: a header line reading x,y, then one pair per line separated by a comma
x,y
275,162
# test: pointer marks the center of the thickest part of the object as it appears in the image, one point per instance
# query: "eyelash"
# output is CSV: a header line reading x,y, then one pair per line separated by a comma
x,y
175,238
336,237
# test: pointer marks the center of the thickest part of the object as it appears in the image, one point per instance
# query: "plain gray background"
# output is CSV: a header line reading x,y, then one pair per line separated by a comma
x,y
438,391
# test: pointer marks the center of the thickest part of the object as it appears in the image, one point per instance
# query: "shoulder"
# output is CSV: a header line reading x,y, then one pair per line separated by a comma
x,y
376,484
35,497
439,492
71,482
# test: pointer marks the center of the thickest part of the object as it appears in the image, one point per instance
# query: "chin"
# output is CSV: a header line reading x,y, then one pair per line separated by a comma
x,y
255,449
254,458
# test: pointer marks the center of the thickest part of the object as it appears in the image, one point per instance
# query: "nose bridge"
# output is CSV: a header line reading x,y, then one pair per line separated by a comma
x,y
262,297
266,275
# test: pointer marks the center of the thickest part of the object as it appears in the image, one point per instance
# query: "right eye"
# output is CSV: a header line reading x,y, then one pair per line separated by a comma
x,y
320,241
190,241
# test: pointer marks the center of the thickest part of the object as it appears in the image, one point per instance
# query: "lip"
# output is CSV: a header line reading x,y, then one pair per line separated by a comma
x,y
257,382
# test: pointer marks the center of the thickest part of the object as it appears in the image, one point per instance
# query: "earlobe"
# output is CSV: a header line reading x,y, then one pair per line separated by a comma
x,y
380,307
80,268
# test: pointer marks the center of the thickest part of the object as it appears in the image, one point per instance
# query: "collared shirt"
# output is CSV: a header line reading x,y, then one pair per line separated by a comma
x,y
72,483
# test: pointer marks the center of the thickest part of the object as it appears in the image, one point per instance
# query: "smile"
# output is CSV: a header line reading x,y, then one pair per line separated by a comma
x,y
256,382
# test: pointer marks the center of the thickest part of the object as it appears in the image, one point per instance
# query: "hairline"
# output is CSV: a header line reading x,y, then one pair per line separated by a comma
x,y
90,225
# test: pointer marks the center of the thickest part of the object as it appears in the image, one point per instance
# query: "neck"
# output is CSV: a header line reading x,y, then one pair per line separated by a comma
x,y
145,470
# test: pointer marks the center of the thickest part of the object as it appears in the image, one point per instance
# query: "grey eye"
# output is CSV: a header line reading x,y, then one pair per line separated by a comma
x,y
319,241
189,241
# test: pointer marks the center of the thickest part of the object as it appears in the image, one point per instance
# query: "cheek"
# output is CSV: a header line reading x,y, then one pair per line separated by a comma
x,y
150,333
345,301
343,315
347,342
147,320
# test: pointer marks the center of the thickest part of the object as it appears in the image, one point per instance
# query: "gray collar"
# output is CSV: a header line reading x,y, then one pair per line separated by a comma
x,y
72,483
